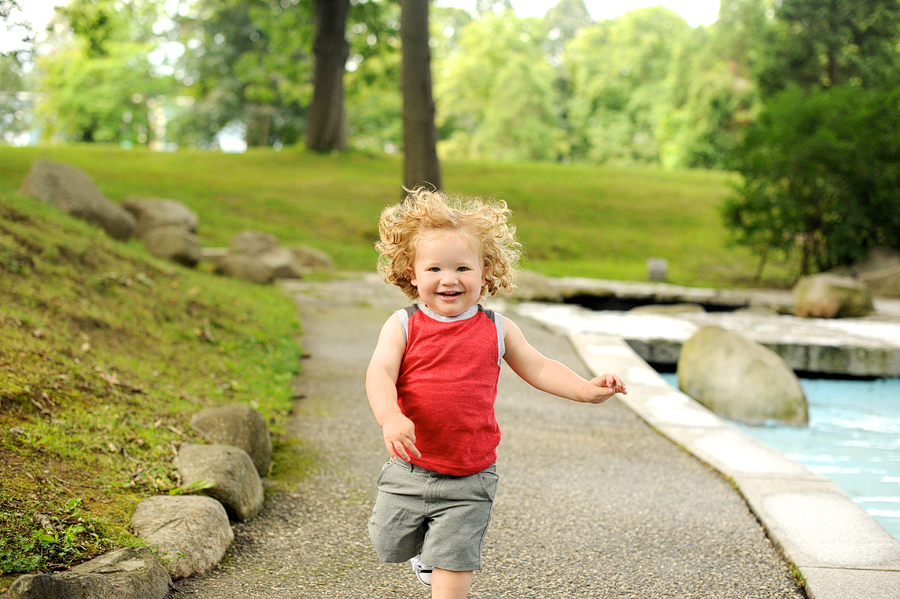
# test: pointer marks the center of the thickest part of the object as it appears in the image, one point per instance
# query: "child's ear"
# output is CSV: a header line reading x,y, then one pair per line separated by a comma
x,y
412,277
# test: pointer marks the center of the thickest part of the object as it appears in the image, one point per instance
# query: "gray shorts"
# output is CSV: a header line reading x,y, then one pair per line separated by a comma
x,y
443,517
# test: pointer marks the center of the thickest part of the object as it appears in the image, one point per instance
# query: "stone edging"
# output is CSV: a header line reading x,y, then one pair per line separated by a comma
x,y
187,534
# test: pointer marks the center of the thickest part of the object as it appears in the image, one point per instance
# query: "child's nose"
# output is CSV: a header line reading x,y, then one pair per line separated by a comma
x,y
449,277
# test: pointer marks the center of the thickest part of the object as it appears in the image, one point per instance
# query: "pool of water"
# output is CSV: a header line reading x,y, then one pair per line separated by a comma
x,y
853,438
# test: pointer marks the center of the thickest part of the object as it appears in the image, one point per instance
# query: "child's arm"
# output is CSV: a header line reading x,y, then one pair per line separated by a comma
x,y
552,376
381,387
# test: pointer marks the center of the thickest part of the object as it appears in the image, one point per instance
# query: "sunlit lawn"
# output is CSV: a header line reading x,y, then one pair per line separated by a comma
x,y
573,220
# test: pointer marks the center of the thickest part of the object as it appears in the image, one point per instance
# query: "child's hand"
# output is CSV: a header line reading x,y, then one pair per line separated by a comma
x,y
400,437
602,388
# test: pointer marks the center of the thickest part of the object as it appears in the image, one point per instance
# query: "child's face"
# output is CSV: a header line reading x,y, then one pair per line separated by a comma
x,y
447,272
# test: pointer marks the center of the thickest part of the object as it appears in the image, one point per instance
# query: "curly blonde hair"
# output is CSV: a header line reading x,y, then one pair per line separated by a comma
x,y
425,210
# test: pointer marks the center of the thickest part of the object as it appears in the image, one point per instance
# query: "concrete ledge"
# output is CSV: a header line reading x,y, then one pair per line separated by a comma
x,y
841,551
849,346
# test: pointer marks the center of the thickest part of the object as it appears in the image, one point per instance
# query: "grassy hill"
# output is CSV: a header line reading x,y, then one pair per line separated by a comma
x,y
106,352
573,220
104,355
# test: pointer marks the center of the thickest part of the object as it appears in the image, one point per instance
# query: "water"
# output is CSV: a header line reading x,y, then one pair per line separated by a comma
x,y
853,438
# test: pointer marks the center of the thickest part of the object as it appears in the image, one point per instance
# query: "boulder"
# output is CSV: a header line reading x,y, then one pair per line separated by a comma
x,y
173,243
239,426
234,479
64,586
880,272
122,574
151,213
310,257
72,191
740,379
535,287
831,296
252,243
190,533
257,257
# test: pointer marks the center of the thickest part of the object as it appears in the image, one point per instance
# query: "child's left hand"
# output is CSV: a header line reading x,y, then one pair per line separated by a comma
x,y
603,387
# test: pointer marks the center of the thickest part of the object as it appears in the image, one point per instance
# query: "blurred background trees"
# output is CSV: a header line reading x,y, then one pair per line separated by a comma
x,y
796,96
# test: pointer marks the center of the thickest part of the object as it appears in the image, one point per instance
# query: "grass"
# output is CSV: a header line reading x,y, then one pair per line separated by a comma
x,y
573,220
105,355
106,352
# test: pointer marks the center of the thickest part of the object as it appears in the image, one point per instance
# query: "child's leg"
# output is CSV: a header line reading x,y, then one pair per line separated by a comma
x,y
447,584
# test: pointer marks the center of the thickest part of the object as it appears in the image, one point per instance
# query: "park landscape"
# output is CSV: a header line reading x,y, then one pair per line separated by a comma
x,y
97,390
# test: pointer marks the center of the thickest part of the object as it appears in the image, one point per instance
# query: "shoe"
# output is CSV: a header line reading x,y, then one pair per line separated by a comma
x,y
422,570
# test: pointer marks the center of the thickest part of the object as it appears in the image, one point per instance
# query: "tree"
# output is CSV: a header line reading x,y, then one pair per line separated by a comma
x,y
618,101
421,164
821,172
497,92
819,166
713,87
374,102
245,61
97,79
833,42
15,103
327,121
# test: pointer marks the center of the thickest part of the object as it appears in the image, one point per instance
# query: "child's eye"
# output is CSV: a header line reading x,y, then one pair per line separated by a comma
x,y
434,269
463,268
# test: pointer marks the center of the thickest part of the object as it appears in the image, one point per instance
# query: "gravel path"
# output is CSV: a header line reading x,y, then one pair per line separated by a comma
x,y
592,502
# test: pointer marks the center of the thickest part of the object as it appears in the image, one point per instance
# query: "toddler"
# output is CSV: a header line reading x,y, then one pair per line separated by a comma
x,y
432,381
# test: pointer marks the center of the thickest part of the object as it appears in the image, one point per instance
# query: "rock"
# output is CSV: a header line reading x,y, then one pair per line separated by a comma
x,y
880,272
740,379
235,481
239,426
253,243
312,258
214,255
122,574
151,213
247,268
668,309
72,191
174,244
657,269
168,229
189,533
63,586
535,287
830,296
257,257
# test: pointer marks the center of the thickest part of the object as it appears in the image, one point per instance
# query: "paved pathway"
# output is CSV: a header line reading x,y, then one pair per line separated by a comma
x,y
593,503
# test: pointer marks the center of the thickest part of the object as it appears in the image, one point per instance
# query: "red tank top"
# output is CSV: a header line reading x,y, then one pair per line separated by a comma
x,y
447,387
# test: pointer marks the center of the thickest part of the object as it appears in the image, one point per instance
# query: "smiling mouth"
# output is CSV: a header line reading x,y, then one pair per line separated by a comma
x,y
450,294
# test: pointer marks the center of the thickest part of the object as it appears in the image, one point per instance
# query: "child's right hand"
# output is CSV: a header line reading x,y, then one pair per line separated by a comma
x,y
400,437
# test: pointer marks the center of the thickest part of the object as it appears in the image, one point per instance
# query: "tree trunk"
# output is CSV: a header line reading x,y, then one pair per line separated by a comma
x,y
327,126
421,165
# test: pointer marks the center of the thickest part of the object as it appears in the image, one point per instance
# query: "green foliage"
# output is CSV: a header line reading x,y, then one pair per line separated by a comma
x,y
106,354
820,44
643,87
618,72
99,84
247,62
372,99
56,537
821,172
496,95
820,164
105,98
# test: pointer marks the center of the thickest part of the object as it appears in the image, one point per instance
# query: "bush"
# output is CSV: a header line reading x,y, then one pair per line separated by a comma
x,y
821,176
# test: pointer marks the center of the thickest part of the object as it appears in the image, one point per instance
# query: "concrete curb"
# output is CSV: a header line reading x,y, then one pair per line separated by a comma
x,y
841,551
